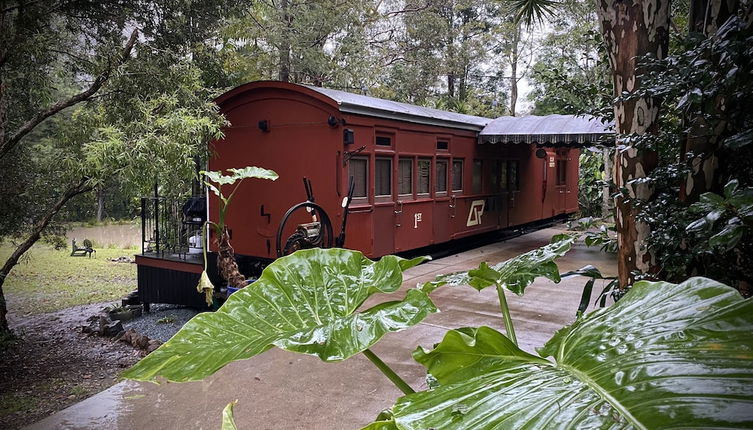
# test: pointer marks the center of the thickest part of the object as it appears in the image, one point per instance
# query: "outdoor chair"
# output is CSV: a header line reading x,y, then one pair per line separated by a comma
x,y
85,250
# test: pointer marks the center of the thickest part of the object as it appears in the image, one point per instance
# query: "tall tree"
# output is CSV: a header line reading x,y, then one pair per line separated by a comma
x,y
136,102
632,30
321,43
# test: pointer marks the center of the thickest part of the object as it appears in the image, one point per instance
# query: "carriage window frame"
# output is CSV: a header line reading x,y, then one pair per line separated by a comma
x,y
457,176
403,161
365,179
378,176
382,136
437,191
419,191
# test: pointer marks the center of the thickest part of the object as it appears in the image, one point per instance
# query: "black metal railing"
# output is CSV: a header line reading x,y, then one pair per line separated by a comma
x,y
165,229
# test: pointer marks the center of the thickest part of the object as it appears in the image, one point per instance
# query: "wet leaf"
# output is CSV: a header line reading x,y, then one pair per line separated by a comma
x,y
587,271
514,274
739,140
729,237
305,302
664,355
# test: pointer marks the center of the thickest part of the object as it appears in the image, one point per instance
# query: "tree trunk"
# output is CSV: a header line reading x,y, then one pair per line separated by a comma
x,y
285,45
701,147
36,233
632,29
514,69
100,204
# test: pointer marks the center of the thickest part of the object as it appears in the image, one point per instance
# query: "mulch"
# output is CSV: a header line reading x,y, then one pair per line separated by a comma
x,y
54,365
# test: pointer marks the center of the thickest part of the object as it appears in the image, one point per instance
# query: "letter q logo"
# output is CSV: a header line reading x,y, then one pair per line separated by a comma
x,y
474,215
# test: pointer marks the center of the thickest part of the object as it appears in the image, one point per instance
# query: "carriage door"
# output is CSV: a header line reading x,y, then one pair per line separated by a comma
x,y
561,167
550,191
413,217
385,206
444,204
500,188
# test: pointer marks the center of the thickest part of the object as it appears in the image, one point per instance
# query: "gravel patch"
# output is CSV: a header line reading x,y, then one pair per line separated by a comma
x,y
162,322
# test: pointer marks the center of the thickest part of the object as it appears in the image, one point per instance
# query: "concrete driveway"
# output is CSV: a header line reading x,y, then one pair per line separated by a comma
x,y
284,390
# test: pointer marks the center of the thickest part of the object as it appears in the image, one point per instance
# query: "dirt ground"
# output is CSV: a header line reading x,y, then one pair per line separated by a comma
x,y
54,365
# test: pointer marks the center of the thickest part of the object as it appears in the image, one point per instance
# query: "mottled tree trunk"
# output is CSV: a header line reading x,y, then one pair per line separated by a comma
x,y
36,233
632,29
701,146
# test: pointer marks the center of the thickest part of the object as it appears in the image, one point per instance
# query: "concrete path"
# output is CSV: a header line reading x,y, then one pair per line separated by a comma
x,y
283,390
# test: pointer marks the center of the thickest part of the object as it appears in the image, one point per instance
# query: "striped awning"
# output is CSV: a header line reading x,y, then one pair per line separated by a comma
x,y
549,130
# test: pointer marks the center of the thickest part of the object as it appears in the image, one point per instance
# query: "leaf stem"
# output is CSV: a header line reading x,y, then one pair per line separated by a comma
x,y
388,372
506,314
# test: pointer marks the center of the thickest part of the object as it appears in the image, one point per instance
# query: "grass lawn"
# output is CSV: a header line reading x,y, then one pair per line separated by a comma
x,y
47,280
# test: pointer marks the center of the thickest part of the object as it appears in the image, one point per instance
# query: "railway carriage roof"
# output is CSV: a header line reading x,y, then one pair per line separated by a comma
x,y
372,106
546,130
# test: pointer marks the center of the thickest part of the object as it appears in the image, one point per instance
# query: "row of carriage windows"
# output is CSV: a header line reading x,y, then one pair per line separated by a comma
x,y
502,176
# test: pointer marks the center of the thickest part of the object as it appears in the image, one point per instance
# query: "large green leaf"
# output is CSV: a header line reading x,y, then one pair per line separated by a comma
x,y
238,174
664,356
305,302
515,274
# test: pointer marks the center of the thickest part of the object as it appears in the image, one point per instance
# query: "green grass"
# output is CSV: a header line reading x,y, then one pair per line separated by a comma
x,y
14,402
47,280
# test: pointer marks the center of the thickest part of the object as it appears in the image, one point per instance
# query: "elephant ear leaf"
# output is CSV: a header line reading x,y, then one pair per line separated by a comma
x,y
664,355
306,302
515,274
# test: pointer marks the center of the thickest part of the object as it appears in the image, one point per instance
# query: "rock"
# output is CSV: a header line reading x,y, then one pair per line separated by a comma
x,y
112,329
153,345
140,341
126,336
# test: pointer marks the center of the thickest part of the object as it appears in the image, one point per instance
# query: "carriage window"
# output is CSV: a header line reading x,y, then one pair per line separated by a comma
x,y
513,181
384,140
477,169
494,176
359,171
561,172
383,177
405,176
457,175
443,145
441,168
424,176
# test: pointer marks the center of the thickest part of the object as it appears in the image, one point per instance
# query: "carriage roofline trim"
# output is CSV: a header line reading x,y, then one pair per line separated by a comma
x,y
375,107
257,85
358,104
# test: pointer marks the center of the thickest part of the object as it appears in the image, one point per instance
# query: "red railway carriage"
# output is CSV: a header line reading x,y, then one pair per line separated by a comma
x,y
402,176
417,172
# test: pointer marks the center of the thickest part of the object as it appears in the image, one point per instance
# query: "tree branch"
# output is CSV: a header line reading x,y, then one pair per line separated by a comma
x,y
32,123
79,188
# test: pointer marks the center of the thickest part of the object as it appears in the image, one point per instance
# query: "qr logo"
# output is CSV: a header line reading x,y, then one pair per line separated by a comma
x,y
474,215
